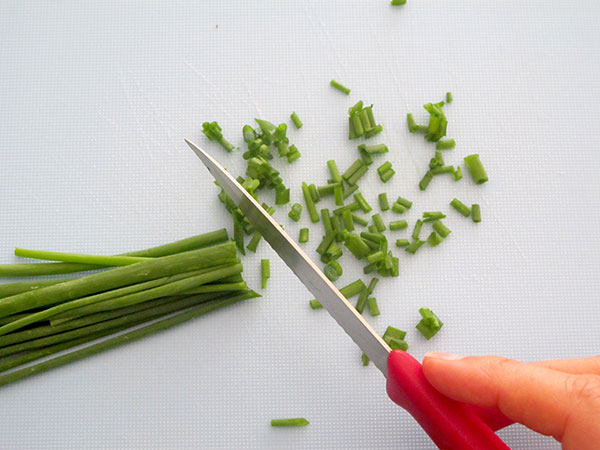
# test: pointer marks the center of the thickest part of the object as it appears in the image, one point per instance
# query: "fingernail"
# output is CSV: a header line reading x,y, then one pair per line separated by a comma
x,y
446,356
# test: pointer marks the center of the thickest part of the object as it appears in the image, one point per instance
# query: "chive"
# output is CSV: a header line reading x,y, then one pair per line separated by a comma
x,y
457,175
384,168
297,422
372,245
476,211
430,216
335,175
353,179
387,175
448,97
372,285
303,235
440,228
460,207
373,308
351,207
369,110
369,268
326,220
310,205
314,194
445,144
355,109
339,195
373,237
430,324
357,246
340,87
422,129
373,229
333,252
383,201
398,2
398,225
365,359
377,256
442,170
398,208
333,270
425,180
337,227
265,272
406,203
414,246
364,205
402,243
293,154
417,230
325,243
374,149
476,169
253,244
282,196
295,212
362,301
353,168
238,231
395,344
296,120
434,239
315,304
79,258
347,217
373,131
248,133
395,267
351,132
357,125
359,220
213,131
364,120
353,288
436,161
364,155
410,120
394,333
349,191
378,222
327,189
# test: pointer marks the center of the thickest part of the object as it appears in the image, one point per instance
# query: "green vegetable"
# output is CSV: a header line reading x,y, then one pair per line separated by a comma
x,y
347,218
353,179
356,165
238,231
398,208
213,131
434,239
364,205
476,169
402,243
310,204
340,87
431,216
253,244
448,97
315,304
303,235
350,190
398,225
430,324
440,228
442,170
384,168
359,220
365,360
328,189
265,272
457,175
333,270
476,212
387,175
460,207
373,237
372,285
425,180
377,256
395,338
383,201
299,422
295,212
335,175
356,245
373,308
414,246
353,288
406,203
398,2
79,258
296,120
339,195
293,154
445,144
378,222
282,196
362,301
417,229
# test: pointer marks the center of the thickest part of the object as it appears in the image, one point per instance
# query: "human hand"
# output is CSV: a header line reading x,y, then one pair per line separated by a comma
x,y
556,398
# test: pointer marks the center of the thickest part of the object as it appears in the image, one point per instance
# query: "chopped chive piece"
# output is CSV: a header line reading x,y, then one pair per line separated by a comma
x,y
213,131
282,196
299,422
396,344
339,195
238,231
337,227
335,175
476,169
326,220
364,205
383,201
353,288
373,308
448,97
414,246
350,190
293,154
315,304
362,301
410,120
312,189
425,180
248,133
374,149
440,228
457,175
476,212
333,270
359,220
417,230
434,239
445,144
378,222
377,256
398,225
265,272
303,235
398,208
373,229
374,246
443,169
384,168
327,189
351,132
373,131
296,120
430,324
365,359
406,203
394,333
310,205
402,243
369,268
357,125
356,245
372,285
437,160
460,207
398,2
295,212
353,179
254,242
387,175
340,87
332,253
353,168
351,207
422,129
325,243
430,216
365,156
347,218
373,237
364,120
369,110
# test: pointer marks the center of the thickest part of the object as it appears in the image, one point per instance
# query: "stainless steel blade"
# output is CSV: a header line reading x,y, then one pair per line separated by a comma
x,y
311,276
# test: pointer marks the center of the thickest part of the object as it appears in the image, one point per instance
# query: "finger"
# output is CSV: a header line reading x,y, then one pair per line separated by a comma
x,y
550,402
575,365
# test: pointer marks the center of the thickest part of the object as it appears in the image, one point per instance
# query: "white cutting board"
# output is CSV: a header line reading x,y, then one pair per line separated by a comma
x,y
96,99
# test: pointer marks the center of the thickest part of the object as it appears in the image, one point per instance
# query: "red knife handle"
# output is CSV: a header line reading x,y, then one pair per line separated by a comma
x,y
451,425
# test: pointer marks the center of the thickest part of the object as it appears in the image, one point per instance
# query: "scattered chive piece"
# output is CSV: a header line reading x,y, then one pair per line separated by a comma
x,y
440,228
213,131
295,212
339,195
353,288
383,201
395,338
443,169
333,270
422,129
414,246
425,180
325,243
296,120
445,144
358,174
310,204
265,272
253,244
340,87
327,189
417,230
377,256
282,196
430,216
312,189
372,285
460,207
410,120
384,168
406,203
299,422
449,97
373,229
365,359
369,268
373,131
362,301
402,243
333,170
434,239
476,169
398,208
315,304
351,207
356,245
337,227
395,344
326,220
373,308
437,160
347,218
398,225
373,237
349,191
476,212
398,2
359,220
387,175
353,168
378,222
457,175
364,205
430,324
303,235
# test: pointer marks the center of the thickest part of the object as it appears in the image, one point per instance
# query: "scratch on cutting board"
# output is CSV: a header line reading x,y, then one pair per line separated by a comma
x,y
213,94
155,111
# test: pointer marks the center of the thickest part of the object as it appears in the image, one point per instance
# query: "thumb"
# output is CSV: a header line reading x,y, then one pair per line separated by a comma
x,y
566,406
